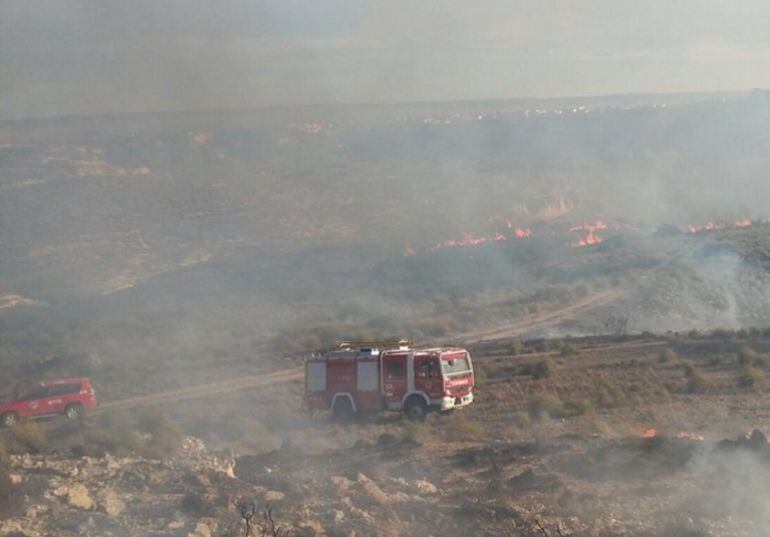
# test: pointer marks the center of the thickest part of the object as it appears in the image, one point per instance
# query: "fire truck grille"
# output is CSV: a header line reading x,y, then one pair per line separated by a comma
x,y
457,389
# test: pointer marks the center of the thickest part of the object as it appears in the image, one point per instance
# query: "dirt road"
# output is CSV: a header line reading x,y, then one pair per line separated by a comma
x,y
541,320
501,332
203,390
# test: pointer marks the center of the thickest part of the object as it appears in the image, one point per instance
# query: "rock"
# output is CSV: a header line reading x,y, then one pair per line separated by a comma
x,y
274,496
77,495
372,491
341,483
310,528
201,530
338,516
110,502
426,487
110,465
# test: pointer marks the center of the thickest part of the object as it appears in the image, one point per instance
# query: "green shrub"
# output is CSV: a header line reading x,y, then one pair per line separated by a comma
x,y
416,433
698,383
689,368
667,355
748,356
543,369
5,476
576,407
522,418
721,333
751,377
547,405
116,433
567,349
165,436
11,503
544,406
517,346
608,396
27,437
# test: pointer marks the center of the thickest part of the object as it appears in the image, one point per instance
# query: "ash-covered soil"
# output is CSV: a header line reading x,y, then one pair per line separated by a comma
x,y
636,437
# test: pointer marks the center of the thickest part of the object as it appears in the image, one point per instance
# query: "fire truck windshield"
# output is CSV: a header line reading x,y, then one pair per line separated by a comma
x,y
455,365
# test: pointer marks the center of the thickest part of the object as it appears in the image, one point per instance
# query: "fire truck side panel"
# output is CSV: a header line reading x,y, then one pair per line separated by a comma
x,y
341,376
396,368
315,385
367,394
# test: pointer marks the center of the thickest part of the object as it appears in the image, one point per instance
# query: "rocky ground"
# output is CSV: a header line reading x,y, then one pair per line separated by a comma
x,y
617,439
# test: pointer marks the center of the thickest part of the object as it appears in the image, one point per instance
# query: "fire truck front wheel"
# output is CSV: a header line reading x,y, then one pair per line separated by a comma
x,y
343,410
415,408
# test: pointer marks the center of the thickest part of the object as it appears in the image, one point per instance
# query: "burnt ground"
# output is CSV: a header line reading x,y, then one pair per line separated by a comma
x,y
554,445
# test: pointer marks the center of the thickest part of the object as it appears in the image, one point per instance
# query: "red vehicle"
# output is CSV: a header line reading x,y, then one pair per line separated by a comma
x,y
69,397
361,379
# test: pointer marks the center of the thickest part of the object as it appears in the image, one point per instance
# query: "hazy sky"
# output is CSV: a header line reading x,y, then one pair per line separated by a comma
x,y
79,56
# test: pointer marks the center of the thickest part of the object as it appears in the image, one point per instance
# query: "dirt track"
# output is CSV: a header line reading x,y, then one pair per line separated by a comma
x,y
542,320
203,390
287,375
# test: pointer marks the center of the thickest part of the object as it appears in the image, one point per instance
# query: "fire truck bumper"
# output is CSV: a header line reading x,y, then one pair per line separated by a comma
x,y
448,403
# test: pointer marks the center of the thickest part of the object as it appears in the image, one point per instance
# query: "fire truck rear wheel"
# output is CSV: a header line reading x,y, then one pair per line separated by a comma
x,y
415,409
343,410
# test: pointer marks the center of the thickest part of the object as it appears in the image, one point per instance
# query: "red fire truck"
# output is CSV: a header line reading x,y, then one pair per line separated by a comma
x,y
364,378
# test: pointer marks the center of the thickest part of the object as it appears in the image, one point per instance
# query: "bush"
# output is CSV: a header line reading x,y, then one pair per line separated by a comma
x,y
689,368
544,406
724,334
117,433
517,346
461,427
748,356
608,396
11,504
416,433
548,405
27,437
751,377
698,383
567,349
543,369
165,436
5,477
667,355
576,407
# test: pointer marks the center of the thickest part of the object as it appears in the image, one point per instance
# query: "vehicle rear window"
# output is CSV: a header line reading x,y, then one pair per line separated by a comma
x,y
455,364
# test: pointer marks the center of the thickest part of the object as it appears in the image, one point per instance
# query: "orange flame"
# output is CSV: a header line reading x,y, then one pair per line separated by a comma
x,y
522,233
649,433
592,238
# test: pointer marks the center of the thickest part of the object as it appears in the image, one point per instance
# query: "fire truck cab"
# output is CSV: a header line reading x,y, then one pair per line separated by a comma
x,y
361,379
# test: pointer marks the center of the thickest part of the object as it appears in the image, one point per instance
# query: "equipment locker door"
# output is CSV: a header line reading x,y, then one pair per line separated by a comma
x,y
394,378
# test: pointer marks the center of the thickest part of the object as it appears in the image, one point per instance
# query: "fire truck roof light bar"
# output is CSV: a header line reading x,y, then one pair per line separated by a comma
x,y
388,344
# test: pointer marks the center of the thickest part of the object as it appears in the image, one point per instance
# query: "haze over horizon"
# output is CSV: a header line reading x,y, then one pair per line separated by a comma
x,y
83,57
